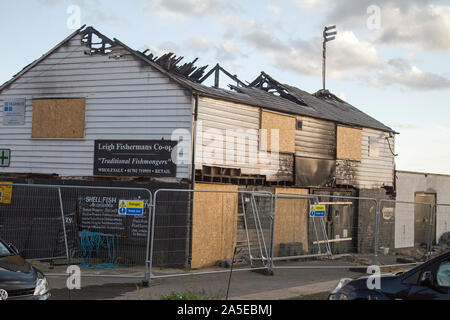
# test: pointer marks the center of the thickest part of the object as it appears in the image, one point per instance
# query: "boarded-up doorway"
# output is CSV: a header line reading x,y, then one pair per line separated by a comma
x,y
422,216
214,224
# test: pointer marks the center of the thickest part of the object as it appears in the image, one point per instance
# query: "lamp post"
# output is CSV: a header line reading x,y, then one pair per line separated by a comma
x,y
329,34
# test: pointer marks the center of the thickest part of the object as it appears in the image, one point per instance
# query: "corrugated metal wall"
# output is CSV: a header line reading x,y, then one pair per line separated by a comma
x,y
218,116
317,139
124,100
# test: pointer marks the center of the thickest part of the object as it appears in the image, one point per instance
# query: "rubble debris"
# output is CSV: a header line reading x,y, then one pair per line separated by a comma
x,y
416,254
444,241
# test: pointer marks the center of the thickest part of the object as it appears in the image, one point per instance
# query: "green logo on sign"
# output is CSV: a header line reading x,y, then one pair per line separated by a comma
x,y
5,156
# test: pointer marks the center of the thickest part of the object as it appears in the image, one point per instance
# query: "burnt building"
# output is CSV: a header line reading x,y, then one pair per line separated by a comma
x,y
91,93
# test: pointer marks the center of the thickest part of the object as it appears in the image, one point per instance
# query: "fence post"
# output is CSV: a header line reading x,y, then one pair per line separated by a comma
x,y
273,205
433,210
151,237
147,272
377,231
64,225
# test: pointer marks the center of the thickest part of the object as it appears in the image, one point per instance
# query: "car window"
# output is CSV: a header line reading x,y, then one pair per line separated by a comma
x,y
413,279
4,250
443,274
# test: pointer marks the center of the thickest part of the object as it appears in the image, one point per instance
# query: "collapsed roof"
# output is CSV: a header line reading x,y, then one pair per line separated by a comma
x,y
264,91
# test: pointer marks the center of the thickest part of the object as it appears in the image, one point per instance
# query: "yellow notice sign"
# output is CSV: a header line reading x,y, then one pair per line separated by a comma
x,y
131,207
135,204
5,193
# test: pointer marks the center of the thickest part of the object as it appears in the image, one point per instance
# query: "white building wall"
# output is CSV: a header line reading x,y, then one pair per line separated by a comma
x,y
408,184
376,169
125,99
215,117
317,139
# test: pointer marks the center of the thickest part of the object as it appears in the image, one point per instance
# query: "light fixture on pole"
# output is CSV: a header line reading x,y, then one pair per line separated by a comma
x,y
329,34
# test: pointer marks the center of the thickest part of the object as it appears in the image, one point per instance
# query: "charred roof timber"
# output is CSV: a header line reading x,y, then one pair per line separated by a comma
x,y
270,85
97,42
170,62
216,70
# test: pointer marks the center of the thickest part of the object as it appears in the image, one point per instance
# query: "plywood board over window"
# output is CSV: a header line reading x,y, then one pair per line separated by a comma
x,y
286,126
58,118
349,143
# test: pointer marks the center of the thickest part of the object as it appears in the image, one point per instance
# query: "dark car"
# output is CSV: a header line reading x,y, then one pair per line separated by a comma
x,y
429,281
18,279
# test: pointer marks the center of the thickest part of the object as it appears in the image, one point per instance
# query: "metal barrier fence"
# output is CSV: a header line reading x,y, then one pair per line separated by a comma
x,y
440,237
104,230
225,226
130,233
411,223
342,236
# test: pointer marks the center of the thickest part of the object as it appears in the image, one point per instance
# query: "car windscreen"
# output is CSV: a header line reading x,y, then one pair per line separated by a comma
x,y
4,250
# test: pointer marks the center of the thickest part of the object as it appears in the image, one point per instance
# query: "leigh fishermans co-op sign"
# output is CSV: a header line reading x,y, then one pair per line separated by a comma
x,y
151,158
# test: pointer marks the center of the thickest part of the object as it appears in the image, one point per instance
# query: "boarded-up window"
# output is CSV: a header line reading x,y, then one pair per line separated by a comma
x,y
286,126
58,118
349,143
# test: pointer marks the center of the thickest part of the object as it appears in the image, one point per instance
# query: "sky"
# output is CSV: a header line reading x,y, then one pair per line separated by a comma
x,y
390,58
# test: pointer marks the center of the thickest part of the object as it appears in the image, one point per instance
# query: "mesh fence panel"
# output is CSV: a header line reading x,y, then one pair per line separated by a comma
x,y
31,220
411,223
226,227
343,234
441,236
57,226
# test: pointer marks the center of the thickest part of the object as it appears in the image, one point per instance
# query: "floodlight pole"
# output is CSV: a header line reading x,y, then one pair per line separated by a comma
x,y
329,34
324,63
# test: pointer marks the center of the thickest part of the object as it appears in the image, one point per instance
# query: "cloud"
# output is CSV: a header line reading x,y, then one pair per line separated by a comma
x,y
404,125
347,56
198,44
92,11
274,10
399,72
427,26
417,22
342,96
180,9
161,49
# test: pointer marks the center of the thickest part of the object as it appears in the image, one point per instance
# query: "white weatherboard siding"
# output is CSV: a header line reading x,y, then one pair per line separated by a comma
x,y
317,139
376,171
218,116
125,100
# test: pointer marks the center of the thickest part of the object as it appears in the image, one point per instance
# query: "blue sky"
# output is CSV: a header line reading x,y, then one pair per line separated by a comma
x,y
396,70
